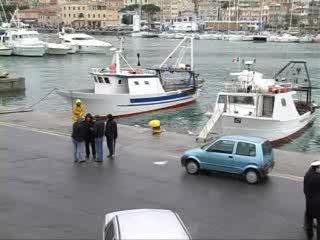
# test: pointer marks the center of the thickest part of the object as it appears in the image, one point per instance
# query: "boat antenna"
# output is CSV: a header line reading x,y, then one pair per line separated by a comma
x,y
138,56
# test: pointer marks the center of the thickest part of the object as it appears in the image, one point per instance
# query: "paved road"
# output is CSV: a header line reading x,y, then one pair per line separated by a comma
x,y
44,195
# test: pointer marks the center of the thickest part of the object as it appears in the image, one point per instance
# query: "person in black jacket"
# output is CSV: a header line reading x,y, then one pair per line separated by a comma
x,y
311,188
98,129
78,136
89,138
111,134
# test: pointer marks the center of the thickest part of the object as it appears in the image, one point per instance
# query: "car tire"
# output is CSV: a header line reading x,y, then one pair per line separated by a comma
x,y
252,176
192,167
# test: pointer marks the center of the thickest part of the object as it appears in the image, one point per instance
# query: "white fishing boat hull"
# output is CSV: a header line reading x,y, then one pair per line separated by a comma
x,y
30,51
5,51
126,105
274,130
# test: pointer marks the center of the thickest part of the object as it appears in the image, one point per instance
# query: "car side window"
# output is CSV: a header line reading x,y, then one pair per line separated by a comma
x,y
222,146
246,149
109,231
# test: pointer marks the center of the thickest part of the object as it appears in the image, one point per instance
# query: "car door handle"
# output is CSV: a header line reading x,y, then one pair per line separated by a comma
x,y
230,156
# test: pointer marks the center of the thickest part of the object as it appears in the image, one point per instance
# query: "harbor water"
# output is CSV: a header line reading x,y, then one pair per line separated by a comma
x,y
213,60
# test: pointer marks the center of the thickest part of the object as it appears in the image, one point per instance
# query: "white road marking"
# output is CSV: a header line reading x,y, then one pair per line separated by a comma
x,y
160,163
32,129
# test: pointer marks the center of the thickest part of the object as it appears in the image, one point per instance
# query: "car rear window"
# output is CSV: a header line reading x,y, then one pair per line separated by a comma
x,y
246,149
267,148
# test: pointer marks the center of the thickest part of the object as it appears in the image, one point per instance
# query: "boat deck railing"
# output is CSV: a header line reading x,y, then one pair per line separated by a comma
x,y
124,71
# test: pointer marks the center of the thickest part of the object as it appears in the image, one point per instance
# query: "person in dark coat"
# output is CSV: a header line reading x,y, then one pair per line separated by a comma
x,y
111,134
311,188
78,137
89,138
98,129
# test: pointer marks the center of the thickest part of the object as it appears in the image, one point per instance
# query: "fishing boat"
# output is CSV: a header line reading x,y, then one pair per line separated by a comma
x,y
128,91
277,109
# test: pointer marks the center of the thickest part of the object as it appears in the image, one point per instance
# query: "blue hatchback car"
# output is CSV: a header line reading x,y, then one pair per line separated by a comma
x,y
251,157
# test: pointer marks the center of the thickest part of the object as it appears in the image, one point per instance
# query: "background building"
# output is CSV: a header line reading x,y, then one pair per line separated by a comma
x,y
91,14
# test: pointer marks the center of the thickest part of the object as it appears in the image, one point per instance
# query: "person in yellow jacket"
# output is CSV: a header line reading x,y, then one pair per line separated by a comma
x,y
78,111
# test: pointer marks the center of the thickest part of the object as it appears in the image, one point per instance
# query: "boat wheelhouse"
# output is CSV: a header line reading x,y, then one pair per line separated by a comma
x,y
129,91
277,109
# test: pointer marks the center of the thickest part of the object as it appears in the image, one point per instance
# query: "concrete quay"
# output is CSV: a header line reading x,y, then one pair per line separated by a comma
x,y
44,195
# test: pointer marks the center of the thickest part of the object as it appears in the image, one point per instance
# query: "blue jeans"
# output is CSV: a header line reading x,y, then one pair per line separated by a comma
x,y
78,150
99,148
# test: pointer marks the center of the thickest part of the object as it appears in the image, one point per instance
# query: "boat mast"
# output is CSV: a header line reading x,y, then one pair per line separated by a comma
x,y
191,53
291,15
4,13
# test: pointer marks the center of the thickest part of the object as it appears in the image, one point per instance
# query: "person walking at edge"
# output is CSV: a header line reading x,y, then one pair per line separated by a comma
x,y
78,136
78,111
98,129
311,188
89,137
111,134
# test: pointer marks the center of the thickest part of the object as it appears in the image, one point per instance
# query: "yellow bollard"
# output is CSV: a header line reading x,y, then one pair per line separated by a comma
x,y
156,126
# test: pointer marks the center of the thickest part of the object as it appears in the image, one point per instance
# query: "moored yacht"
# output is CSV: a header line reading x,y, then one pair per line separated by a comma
x,y
277,109
128,91
84,43
57,49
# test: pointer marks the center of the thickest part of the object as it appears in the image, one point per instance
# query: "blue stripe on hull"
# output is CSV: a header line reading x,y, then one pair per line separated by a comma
x,y
157,99
156,103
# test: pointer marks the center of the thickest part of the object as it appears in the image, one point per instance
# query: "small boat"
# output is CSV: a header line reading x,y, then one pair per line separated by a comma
x,y
288,38
5,50
233,37
144,34
57,49
129,91
277,109
247,38
306,39
210,36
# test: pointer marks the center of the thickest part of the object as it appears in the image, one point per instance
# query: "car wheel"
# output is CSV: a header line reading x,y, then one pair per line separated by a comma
x,y
252,176
192,167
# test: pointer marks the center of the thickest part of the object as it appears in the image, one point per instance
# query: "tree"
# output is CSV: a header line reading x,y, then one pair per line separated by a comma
x,y
133,7
150,10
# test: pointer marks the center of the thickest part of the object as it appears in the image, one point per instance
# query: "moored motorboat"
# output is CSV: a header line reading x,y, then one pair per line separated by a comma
x,y
83,43
129,91
57,49
5,50
277,109
144,34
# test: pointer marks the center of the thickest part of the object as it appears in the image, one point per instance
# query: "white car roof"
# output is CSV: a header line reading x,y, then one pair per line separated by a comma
x,y
150,224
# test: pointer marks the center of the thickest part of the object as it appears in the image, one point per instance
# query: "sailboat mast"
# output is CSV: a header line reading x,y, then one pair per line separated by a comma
x,y
291,15
4,13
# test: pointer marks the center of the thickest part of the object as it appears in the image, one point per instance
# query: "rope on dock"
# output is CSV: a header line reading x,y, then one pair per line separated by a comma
x,y
43,98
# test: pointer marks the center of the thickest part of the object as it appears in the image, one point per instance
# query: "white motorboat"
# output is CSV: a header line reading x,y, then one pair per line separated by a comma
x,y
210,36
233,37
288,38
128,91
57,49
306,39
84,43
247,38
23,42
144,34
277,109
5,50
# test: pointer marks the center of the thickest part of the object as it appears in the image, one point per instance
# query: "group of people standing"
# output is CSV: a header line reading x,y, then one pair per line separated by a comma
x,y
88,134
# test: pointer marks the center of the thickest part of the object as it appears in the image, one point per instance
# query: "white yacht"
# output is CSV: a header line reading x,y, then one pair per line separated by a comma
x,y
144,34
24,42
128,91
57,49
210,36
278,109
84,43
288,38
